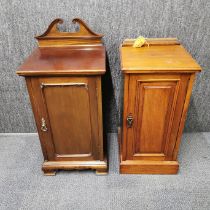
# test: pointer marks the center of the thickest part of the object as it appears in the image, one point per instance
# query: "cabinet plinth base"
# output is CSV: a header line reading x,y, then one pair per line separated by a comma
x,y
103,171
149,167
50,167
49,172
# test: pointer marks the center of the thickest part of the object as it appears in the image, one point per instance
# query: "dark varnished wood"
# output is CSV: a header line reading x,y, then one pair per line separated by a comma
x,y
53,37
64,61
63,58
158,81
64,84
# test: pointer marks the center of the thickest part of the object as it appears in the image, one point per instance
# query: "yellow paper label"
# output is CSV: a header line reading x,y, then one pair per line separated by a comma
x,y
139,42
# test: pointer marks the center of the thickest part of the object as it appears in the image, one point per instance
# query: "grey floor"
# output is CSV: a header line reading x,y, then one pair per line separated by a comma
x,y
23,186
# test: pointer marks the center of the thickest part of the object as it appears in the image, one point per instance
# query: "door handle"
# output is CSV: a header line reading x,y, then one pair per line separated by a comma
x,y
43,125
129,120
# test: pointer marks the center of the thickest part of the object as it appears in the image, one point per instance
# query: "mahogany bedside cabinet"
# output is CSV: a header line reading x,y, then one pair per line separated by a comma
x,y
158,81
63,77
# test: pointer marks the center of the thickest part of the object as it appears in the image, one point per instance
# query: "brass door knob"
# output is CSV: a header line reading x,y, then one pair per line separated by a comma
x,y
43,125
129,120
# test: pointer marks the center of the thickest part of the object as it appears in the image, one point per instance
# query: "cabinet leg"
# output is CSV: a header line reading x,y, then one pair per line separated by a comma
x,y
48,172
102,171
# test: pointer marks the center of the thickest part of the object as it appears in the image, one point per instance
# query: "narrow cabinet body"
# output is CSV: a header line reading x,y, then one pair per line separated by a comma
x,y
63,78
158,82
67,109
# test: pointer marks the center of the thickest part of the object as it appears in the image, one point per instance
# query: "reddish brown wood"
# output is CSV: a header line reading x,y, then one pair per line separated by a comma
x,y
53,37
64,84
64,61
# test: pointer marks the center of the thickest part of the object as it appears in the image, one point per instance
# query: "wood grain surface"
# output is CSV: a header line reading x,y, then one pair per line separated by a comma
x,y
157,87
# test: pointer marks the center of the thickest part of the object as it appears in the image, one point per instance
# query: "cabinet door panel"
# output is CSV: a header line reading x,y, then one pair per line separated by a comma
x,y
69,114
153,111
67,105
153,101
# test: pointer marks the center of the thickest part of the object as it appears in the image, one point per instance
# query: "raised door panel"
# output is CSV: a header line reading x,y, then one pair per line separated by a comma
x,y
153,102
69,107
70,119
153,111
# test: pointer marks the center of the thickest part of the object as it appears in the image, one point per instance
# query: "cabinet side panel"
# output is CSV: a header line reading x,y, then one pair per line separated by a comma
x,y
184,114
177,121
101,136
36,115
123,142
41,113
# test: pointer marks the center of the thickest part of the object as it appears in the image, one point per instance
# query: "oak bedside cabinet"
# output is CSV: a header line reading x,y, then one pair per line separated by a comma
x,y
158,81
63,77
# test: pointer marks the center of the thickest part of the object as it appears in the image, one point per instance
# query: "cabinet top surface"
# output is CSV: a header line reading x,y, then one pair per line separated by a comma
x,y
64,60
157,57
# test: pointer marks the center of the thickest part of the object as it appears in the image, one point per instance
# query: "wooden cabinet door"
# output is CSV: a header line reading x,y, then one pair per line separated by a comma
x,y
70,109
152,117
